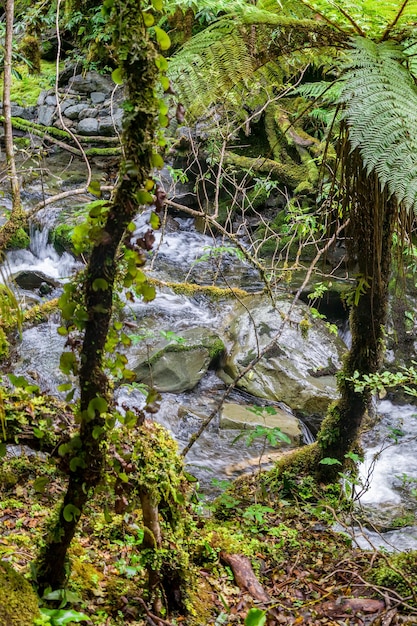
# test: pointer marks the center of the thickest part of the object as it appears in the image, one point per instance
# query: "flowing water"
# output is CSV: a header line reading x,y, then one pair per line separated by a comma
x,y
390,466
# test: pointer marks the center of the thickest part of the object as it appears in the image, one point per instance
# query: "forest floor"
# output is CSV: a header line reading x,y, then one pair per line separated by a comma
x,y
269,561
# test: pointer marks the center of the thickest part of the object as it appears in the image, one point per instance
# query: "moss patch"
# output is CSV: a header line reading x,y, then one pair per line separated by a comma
x,y
18,602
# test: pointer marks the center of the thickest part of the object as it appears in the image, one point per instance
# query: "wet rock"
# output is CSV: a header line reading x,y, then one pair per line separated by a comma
x,y
176,365
238,416
34,280
284,373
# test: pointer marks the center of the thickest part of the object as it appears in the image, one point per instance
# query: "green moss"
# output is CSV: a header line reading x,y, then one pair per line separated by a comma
x,y
4,345
20,240
25,92
30,50
40,313
398,572
61,238
18,602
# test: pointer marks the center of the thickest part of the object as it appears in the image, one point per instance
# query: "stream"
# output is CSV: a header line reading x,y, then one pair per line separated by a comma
x,y
390,465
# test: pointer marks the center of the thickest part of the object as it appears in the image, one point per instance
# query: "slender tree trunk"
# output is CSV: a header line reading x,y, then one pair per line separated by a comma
x,y
8,131
137,61
373,215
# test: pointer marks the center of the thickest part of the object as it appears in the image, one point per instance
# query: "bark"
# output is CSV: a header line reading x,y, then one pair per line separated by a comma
x,y
244,576
139,68
8,131
373,216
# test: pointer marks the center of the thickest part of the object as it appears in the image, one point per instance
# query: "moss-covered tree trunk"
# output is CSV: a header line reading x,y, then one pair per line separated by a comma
x,y
137,62
17,217
373,215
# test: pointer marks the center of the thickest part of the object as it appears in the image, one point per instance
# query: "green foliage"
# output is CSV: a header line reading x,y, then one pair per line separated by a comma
x,y
255,617
367,17
380,121
379,382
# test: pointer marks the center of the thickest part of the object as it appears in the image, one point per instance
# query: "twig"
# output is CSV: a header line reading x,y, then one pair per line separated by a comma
x,y
155,618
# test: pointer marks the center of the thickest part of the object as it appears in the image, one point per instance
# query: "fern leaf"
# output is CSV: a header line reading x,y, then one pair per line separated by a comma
x,y
380,99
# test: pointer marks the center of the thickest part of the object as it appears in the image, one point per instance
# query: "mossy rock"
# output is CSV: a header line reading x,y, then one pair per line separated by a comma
x,y
61,238
18,602
20,240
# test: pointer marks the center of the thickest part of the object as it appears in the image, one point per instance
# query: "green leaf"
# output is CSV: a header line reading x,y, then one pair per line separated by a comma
x,y
157,5
154,221
40,483
100,284
144,197
97,404
71,513
157,161
68,363
123,477
329,461
75,463
148,19
3,450
97,432
60,617
94,188
255,617
164,42
165,82
148,292
117,76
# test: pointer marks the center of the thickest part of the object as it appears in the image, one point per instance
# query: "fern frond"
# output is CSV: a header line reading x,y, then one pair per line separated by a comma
x,y
374,19
232,54
380,99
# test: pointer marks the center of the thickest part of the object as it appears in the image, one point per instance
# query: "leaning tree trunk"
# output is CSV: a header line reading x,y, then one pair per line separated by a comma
x,y
137,62
373,215
17,215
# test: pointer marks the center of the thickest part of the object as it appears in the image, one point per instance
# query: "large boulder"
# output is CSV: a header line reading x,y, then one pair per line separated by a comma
x,y
18,602
176,364
300,360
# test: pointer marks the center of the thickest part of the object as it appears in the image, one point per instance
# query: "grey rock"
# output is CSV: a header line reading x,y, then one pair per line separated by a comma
x,y
67,103
88,126
90,83
170,366
73,111
42,97
294,368
87,113
50,100
46,114
25,113
97,97
106,126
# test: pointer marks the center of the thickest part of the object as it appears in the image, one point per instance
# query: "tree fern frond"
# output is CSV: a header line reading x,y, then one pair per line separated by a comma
x,y
380,99
375,19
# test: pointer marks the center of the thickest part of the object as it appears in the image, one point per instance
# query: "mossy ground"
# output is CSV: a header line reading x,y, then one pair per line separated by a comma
x,y
312,573
25,91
